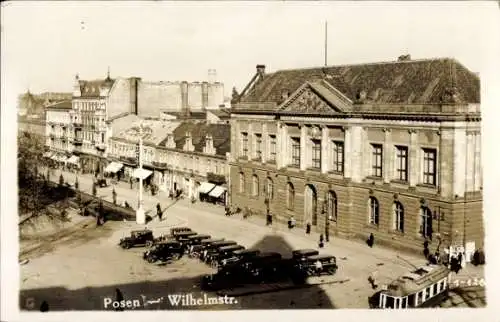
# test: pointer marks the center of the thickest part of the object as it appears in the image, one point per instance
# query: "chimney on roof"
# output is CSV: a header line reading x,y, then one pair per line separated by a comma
x,y
184,100
404,57
209,145
261,70
188,144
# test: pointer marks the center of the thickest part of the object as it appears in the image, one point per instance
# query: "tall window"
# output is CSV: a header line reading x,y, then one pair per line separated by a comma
x,y
399,217
425,222
373,211
338,157
402,163
255,185
102,137
377,160
290,196
316,154
269,189
272,147
296,152
242,182
258,146
244,144
430,166
331,204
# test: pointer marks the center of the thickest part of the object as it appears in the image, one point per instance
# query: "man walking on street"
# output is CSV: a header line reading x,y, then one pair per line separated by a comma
x,y
158,211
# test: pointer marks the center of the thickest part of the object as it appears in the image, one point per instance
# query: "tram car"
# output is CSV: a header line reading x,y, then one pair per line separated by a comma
x,y
426,286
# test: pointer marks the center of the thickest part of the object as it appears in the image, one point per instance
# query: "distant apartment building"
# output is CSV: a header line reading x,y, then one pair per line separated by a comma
x,y
58,134
94,103
157,97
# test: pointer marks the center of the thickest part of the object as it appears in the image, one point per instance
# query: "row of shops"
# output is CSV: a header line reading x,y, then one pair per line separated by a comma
x,y
62,159
172,182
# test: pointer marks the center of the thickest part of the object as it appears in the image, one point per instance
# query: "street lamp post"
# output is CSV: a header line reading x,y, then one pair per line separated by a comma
x,y
140,216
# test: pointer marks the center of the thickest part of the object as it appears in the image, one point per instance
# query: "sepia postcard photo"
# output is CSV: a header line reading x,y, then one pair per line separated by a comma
x,y
294,159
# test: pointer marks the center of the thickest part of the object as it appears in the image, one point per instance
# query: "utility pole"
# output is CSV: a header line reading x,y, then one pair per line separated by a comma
x,y
140,215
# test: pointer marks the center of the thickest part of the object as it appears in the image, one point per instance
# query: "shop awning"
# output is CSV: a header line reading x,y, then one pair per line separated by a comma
x,y
113,167
47,154
206,187
141,173
62,158
217,192
73,159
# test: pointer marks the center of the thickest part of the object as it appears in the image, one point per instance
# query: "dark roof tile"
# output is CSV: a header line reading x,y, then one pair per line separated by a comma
x,y
220,134
410,81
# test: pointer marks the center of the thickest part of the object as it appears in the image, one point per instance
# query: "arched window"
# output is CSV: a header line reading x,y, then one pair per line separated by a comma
x,y
242,182
255,185
269,189
425,222
399,217
373,211
290,196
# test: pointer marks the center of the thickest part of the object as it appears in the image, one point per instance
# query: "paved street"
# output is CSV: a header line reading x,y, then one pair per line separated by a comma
x,y
94,267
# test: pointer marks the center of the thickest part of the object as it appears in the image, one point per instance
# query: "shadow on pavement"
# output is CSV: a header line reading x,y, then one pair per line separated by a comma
x,y
158,295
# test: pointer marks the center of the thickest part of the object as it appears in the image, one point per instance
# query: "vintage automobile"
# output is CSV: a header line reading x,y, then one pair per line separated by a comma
x,y
196,251
425,286
263,268
101,183
239,255
196,239
301,254
212,249
328,265
138,238
176,230
222,253
183,235
164,251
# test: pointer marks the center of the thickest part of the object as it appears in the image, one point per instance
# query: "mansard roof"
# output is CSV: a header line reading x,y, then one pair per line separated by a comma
x,y
427,81
91,88
221,136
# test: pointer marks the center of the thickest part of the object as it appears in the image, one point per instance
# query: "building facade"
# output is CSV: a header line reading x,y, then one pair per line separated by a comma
x,y
58,132
94,104
195,158
157,97
392,149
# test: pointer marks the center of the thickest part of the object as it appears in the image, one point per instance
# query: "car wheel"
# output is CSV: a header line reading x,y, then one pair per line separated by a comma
x,y
151,259
126,245
149,243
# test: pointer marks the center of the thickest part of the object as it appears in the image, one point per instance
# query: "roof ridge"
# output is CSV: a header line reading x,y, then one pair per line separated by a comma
x,y
369,64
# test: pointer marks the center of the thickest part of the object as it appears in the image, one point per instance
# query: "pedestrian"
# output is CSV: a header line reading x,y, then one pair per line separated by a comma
x,y
158,211
327,232
371,240
130,183
308,228
321,244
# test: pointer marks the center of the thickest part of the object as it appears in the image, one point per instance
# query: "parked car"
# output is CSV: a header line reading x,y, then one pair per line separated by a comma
x,y
301,254
328,265
183,235
212,249
164,251
138,238
196,251
239,255
222,253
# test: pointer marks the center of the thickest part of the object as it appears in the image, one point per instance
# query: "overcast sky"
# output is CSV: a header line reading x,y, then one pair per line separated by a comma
x,y
45,44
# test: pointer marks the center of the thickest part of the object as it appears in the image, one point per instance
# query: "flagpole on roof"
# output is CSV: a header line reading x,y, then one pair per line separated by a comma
x,y
326,43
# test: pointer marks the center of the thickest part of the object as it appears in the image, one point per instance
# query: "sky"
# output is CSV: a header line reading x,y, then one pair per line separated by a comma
x,y
45,44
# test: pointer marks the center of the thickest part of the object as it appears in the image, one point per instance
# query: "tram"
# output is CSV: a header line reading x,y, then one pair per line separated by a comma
x,y
426,286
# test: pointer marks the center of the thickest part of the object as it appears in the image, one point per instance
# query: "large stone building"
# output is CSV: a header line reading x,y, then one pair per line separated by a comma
x,y
157,97
94,104
58,134
391,148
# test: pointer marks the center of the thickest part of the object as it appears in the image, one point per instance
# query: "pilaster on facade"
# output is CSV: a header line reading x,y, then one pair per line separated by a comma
x,y
367,155
459,161
478,177
325,147
264,143
303,147
413,178
387,156
351,153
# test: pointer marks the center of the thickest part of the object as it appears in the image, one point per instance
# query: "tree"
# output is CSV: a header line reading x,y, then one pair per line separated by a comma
x,y
61,180
76,183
